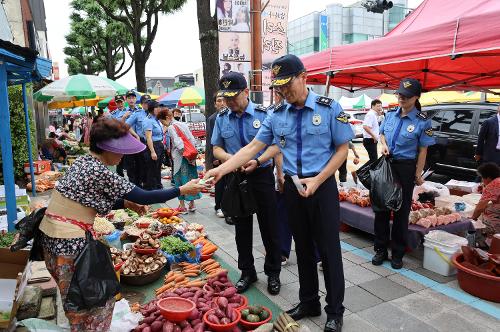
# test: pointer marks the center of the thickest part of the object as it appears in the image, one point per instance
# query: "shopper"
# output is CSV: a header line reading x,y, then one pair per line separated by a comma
x,y
489,204
135,162
235,127
488,141
153,155
371,132
89,188
405,135
343,167
313,134
183,170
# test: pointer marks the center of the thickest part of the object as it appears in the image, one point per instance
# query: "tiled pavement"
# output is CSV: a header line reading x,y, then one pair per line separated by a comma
x,y
376,298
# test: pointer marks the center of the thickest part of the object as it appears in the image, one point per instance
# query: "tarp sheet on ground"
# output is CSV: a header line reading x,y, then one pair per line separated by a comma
x,y
450,45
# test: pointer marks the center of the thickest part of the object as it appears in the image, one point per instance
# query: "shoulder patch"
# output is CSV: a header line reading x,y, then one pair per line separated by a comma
x,y
421,115
279,107
324,100
429,132
260,108
393,109
343,117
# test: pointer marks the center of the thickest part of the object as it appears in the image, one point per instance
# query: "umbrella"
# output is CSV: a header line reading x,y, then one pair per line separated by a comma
x,y
72,103
79,111
189,96
80,87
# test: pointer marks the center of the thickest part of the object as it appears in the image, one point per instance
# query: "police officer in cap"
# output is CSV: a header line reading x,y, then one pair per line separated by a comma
x,y
236,126
120,114
135,163
405,135
312,133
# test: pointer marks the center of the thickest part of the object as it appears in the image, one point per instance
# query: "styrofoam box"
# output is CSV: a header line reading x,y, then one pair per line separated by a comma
x,y
447,244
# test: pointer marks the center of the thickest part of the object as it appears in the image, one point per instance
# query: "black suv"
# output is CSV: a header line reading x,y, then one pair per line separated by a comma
x,y
456,127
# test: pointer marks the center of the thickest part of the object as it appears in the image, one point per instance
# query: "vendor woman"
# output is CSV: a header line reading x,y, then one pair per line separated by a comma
x,y
489,204
405,135
89,188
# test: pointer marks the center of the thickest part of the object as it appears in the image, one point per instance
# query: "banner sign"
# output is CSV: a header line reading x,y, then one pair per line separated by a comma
x,y
323,32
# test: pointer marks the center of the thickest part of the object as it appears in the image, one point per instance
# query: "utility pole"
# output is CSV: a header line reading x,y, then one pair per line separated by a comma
x,y
256,77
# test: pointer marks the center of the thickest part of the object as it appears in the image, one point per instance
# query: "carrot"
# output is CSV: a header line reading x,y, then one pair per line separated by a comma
x,y
170,273
169,279
199,240
207,262
197,283
191,274
179,278
191,270
209,250
211,266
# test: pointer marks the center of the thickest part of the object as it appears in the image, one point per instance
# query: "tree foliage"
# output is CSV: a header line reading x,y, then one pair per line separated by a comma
x,y
96,42
140,18
179,85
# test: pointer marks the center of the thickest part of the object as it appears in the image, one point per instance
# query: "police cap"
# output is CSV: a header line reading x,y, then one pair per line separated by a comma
x,y
285,68
145,98
231,84
152,104
130,93
409,87
119,98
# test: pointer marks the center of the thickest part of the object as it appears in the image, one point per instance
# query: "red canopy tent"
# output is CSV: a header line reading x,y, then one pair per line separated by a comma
x,y
451,45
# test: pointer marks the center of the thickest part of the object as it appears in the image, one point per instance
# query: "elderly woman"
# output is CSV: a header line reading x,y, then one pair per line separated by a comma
x,y
89,188
183,170
489,204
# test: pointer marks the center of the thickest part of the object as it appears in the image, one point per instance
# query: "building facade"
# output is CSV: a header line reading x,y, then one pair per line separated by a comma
x,y
338,25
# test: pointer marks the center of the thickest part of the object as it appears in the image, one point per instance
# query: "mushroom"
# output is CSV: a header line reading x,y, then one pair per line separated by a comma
x,y
146,269
163,259
126,271
133,268
155,267
149,260
118,260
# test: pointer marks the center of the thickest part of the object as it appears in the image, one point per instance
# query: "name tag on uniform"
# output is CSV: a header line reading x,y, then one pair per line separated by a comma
x,y
316,120
256,124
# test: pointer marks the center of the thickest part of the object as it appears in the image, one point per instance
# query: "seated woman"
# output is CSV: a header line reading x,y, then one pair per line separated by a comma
x,y
89,188
489,204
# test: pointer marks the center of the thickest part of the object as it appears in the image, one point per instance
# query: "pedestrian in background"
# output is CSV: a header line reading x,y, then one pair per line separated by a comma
x,y
371,133
121,114
134,162
405,135
488,141
153,155
135,121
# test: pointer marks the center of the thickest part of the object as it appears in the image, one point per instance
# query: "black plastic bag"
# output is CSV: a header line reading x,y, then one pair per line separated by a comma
x,y
385,192
238,200
28,228
363,174
94,281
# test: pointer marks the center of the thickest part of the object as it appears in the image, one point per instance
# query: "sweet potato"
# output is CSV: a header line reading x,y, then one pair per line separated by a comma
x,y
236,298
148,320
225,321
199,327
140,327
222,302
195,322
219,313
177,328
146,329
229,292
168,327
194,314
187,295
188,329
156,326
213,319
233,315
184,323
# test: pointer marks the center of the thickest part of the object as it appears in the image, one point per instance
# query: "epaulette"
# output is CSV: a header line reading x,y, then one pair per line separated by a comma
x,y
393,109
260,108
280,106
325,101
422,115
223,111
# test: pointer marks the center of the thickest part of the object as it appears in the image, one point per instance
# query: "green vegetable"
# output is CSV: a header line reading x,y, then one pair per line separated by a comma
x,y
256,310
253,318
132,214
6,239
175,246
264,315
245,313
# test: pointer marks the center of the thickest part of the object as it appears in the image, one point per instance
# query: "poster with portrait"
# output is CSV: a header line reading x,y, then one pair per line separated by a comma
x,y
274,42
238,67
233,15
234,46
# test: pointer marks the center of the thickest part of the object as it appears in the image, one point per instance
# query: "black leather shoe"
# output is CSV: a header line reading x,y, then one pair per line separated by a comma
x,y
245,282
304,310
229,221
396,262
334,325
273,285
380,257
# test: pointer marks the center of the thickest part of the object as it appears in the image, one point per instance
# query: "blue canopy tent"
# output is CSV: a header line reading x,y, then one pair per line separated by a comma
x,y
18,65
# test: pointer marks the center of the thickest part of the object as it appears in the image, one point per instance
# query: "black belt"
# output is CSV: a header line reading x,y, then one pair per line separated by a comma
x,y
301,177
404,161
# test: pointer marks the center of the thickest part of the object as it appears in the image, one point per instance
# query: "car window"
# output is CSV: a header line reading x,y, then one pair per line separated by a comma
x,y
436,119
197,117
483,116
456,121
359,116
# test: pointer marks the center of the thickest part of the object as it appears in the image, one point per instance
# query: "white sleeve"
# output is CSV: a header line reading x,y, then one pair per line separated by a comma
x,y
368,121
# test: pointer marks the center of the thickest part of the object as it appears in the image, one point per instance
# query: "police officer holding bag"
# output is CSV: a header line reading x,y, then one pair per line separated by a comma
x,y
312,133
236,126
405,135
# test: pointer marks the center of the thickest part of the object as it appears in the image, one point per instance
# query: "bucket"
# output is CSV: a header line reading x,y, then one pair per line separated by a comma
x,y
439,246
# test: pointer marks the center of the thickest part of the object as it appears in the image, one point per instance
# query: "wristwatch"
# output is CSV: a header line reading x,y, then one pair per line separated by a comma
x,y
258,162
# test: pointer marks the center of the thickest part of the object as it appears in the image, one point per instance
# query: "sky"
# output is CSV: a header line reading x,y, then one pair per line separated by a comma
x,y
176,49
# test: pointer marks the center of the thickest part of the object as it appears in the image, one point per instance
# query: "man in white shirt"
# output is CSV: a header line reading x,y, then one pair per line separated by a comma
x,y
371,129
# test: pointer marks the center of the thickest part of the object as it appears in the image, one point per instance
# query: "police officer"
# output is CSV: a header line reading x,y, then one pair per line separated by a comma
x,y
119,114
405,135
134,163
155,151
236,126
313,134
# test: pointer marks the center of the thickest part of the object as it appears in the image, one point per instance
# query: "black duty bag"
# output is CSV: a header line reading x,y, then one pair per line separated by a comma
x,y
385,191
94,281
28,229
237,200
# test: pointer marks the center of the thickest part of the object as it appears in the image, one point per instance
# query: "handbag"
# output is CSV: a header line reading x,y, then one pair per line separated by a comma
x,y
94,281
238,200
190,152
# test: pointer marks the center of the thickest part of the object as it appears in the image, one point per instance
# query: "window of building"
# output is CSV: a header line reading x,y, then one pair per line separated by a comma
x,y
350,38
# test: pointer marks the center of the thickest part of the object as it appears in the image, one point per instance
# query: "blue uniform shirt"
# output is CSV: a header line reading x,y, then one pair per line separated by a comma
x,y
307,137
232,132
135,121
405,135
153,124
117,114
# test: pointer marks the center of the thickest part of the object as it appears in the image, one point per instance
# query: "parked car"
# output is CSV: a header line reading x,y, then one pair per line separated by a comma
x,y
196,122
356,120
456,128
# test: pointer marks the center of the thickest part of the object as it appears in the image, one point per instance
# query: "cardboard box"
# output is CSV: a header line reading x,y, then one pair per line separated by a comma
x,y
15,271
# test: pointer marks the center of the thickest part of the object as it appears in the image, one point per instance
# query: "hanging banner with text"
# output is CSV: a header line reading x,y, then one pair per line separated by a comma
x,y
323,32
233,20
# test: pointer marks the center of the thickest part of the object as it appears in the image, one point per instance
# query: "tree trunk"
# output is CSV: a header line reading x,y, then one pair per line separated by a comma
x,y
140,71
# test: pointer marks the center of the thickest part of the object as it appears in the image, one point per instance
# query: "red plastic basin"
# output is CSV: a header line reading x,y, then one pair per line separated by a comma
x,y
476,283
220,327
252,326
176,309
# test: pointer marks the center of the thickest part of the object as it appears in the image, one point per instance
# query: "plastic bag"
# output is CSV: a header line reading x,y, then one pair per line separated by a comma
x,y
123,318
385,191
363,174
28,229
238,200
94,281
191,257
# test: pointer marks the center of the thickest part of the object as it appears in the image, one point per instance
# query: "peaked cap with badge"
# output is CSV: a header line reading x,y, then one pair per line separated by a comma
x,y
285,68
231,84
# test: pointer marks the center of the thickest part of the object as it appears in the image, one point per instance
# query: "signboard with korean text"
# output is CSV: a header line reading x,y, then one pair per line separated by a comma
x,y
323,32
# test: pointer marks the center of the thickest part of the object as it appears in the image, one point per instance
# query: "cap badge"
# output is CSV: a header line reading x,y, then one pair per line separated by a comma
x,y
410,128
276,70
282,141
406,84
316,120
226,84
429,132
256,124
